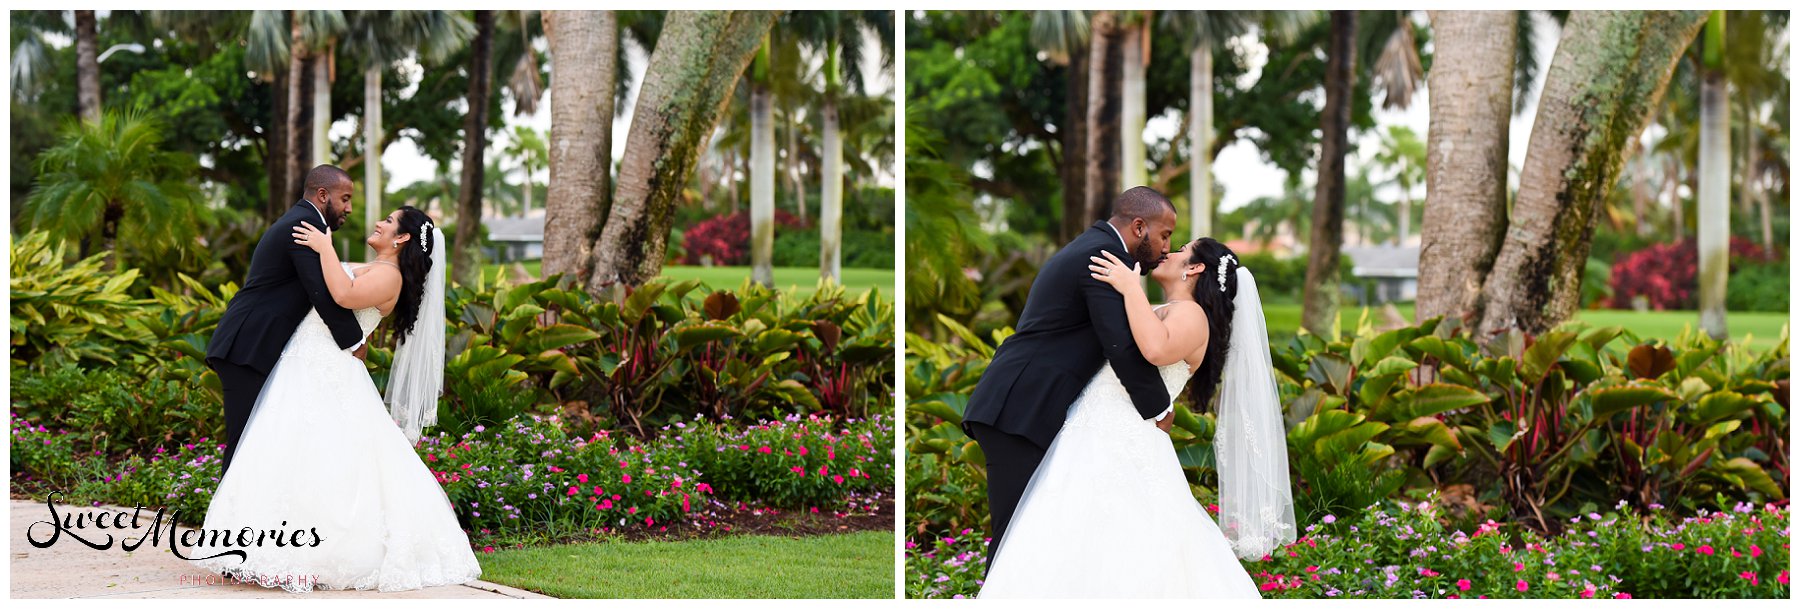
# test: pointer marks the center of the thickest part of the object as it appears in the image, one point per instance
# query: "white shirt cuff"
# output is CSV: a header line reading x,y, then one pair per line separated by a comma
x,y
1165,413
359,345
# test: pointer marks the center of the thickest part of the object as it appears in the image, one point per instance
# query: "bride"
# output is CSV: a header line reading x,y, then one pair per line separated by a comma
x,y
1108,513
321,454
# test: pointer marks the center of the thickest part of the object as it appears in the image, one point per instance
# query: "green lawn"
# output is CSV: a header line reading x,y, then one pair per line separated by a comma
x,y
802,279
1763,328
855,565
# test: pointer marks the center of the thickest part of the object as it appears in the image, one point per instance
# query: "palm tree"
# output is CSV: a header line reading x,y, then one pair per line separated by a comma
x,y
1714,217
699,58
1134,61
1104,98
1063,37
110,179
1319,315
1403,153
87,65
836,34
528,147
1472,87
762,168
380,38
1203,32
463,263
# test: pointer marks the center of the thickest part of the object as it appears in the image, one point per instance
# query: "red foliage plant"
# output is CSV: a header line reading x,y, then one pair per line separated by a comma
x,y
1664,274
725,237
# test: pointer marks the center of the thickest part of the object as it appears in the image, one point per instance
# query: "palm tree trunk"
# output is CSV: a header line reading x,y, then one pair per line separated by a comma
x,y
1131,114
1471,84
1200,132
1610,70
1320,312
1714,213
465,261
793,164
1074,147
321,107
1672,186
762,174
831,196
87,66
298,140
275,152
1752,193
686,85
1104,65
371,150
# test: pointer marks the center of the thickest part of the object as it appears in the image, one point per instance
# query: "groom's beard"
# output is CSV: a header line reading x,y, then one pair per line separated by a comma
x,y
1146,258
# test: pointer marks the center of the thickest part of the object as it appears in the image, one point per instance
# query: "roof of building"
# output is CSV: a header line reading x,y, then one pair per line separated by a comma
x,y
515,229
1384,260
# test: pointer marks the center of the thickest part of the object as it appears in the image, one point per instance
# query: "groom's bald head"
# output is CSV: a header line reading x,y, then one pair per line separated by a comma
x,y
329,188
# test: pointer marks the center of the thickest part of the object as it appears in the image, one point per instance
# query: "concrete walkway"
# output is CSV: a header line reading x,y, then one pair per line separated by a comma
x,y
69,569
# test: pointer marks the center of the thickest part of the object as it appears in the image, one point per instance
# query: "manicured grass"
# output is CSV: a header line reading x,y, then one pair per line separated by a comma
x,y
1764,328
801,279
855,565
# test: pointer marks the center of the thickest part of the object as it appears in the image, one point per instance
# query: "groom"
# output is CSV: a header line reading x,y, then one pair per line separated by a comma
x,y
1071,326
284,283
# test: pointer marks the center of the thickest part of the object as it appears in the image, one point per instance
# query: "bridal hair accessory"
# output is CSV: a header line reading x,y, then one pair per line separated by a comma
x,y
425,237
1223,267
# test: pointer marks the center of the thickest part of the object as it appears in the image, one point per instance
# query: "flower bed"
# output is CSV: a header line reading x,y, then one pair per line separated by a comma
x,y
1405,552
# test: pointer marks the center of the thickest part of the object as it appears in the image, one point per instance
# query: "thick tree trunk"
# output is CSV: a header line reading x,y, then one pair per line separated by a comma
x,y
762,185
1200,133
686,86
580,41
1471,84
1609,72
1131,113
1104,68
465,260
1074,148
1319,315
87,66
372,211
1672,186
1714,212
831,197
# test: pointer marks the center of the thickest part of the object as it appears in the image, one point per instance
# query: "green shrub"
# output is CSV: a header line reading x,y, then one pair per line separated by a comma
x,y
1759,287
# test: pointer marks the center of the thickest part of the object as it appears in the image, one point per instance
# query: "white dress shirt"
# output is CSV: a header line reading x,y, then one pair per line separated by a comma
x,y
326,226
1171,408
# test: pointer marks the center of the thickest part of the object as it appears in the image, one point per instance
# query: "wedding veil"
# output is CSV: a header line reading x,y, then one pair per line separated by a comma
x,y
1250,445
417,376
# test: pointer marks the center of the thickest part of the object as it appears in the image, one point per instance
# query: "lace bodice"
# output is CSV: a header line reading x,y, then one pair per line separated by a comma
x,y
312,338
1106,400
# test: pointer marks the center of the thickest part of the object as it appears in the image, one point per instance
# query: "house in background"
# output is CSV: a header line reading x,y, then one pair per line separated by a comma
x,y
515,239
1390,273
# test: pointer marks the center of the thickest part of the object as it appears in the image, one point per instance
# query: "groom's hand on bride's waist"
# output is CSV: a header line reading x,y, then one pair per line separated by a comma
x,y
362,353
1167,423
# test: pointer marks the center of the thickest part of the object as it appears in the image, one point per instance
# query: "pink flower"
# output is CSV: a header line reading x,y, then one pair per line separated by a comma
x,y
488,549
1425,572
703,487
837,479
582,478
1463,585
803,451
1522,586
573,490
599,491
1518,566
1749,575
631,510
764,450
1588,592
798,470
1552,576
626,479
1755,551
1622,595
1782,578
1678,546
1707,550
1312,569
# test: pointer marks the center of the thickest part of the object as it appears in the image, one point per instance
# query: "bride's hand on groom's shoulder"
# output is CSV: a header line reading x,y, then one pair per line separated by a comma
x,y
1113,272
306,235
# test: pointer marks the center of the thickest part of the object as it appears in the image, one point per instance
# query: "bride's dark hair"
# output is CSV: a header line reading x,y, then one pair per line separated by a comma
x,y
1219,310
415,265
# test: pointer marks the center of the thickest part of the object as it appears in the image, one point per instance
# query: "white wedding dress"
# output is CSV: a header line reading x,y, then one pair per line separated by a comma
x,y
1108,513
321,453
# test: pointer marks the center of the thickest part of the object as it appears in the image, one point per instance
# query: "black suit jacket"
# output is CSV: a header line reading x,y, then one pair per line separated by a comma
x,y
284,283
1072,324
